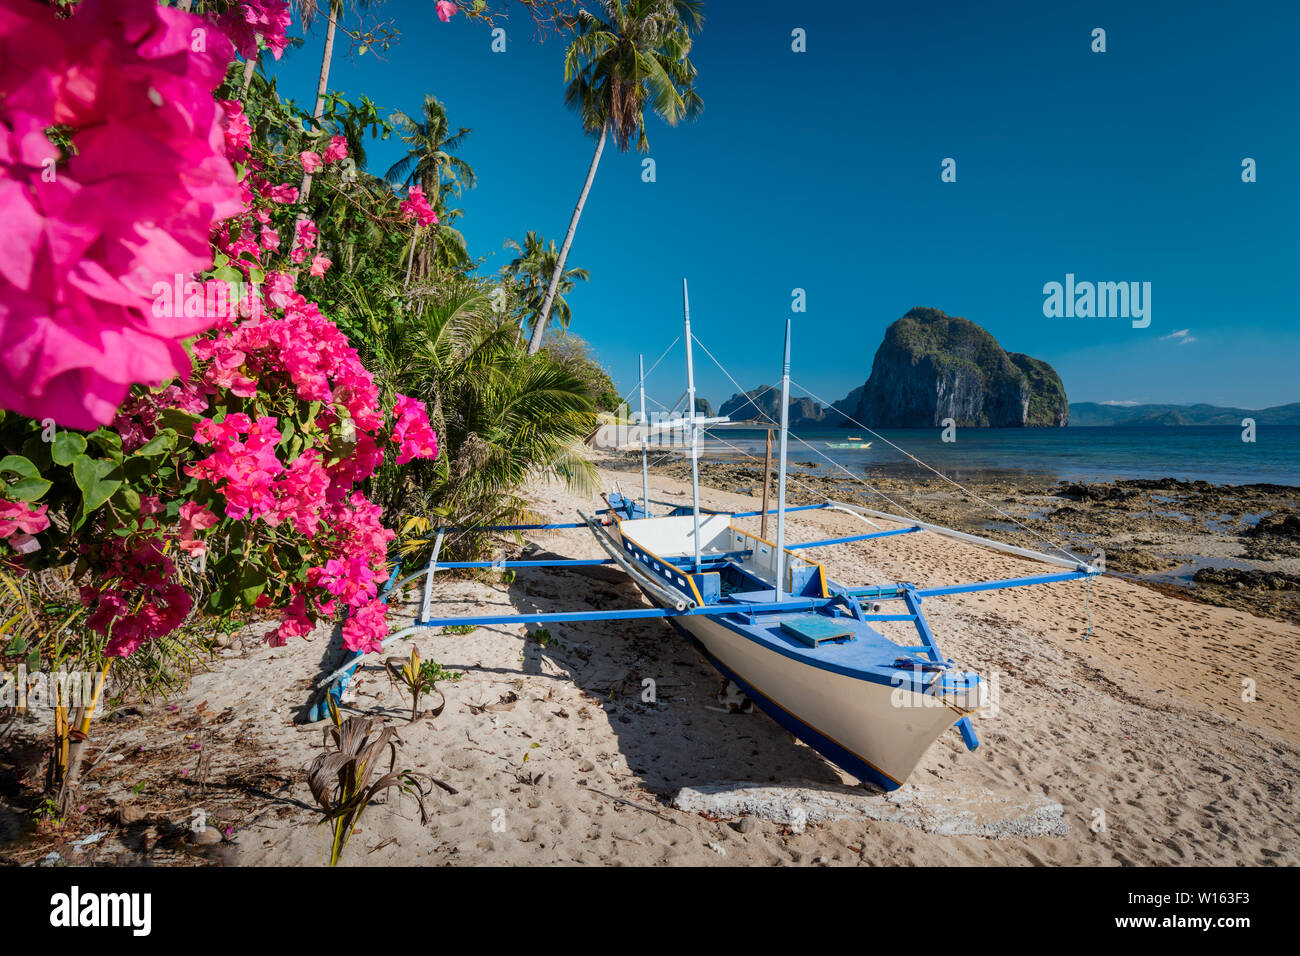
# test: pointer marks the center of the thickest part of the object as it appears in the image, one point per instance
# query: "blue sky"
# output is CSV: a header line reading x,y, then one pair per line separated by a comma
x,y
821,170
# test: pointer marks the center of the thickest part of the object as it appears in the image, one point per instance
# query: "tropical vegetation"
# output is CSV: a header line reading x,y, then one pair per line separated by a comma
x,y
245,374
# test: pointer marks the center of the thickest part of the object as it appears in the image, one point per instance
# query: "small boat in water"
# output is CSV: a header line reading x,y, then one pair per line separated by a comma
x,y
852,443
806,649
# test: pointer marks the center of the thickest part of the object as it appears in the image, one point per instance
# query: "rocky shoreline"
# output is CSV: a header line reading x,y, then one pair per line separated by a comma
x,y
1234,546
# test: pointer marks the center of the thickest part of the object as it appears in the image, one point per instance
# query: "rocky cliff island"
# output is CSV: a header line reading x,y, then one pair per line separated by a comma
x,y
932,366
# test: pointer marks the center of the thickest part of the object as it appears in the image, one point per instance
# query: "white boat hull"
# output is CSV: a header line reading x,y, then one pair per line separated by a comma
x,y
887,728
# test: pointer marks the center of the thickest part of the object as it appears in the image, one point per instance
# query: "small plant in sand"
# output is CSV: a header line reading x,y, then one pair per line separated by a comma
x,y
419,676
340,778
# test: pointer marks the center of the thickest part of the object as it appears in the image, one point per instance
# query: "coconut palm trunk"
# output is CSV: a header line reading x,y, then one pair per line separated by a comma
x,y
250,67
539,327
331,23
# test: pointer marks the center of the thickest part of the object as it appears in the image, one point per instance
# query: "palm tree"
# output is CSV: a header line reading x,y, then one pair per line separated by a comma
x,y
635,54
501,415
532,270
307,10
430,155
428,161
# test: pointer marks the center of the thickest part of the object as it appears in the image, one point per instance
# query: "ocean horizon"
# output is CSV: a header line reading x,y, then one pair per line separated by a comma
x,y
1212,453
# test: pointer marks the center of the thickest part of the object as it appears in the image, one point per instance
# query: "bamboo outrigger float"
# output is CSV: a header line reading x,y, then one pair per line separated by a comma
x,y
801,646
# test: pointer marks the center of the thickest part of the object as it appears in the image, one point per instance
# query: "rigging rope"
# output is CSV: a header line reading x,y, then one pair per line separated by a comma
x,y
817,451
641,380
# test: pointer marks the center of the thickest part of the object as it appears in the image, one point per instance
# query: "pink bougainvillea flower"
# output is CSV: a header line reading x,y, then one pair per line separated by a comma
x,y
140,598
337,149
305,233
294,622
319,265
366,628
194,518
416,207
248,19
132,205
311,162
412,433
20,517
446,10
239,133
281,193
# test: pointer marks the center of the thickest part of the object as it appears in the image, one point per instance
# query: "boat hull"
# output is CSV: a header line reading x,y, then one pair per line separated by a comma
x,y
876,732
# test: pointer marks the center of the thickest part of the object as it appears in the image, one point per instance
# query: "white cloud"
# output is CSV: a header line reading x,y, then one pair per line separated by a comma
x,y
1182,336
1117,402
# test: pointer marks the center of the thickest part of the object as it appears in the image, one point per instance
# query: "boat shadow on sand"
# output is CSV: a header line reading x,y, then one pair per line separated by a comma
x,y
661,696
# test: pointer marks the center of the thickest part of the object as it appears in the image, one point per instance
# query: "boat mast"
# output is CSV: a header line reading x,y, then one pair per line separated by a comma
x,y
694,432
780,482
645,468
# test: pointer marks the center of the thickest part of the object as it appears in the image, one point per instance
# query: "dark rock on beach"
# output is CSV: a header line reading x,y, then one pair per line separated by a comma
x,y
1248,578
1105,492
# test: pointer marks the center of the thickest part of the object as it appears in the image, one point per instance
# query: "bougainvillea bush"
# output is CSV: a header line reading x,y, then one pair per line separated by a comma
x,y
185,427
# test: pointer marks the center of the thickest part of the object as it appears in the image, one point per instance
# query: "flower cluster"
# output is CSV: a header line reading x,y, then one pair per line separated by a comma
x,y
140,599
19,520
118,172
416,207
412,433
290,349
313,162
132,199
249,19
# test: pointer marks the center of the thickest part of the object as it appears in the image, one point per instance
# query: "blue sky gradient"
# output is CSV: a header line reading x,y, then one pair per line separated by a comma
x,y
821,170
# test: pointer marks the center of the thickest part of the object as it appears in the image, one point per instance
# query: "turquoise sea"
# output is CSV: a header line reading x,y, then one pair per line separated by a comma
x,y
1208,453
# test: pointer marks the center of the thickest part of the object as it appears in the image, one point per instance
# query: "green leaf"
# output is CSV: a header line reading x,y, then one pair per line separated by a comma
x,y
97,478
251,584
67,446
20,466
286,433
164,441
135,468
109,442
28,489
128,499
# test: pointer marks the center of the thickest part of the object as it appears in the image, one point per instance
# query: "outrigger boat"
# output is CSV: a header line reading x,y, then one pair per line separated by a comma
x,y
804,648
851,443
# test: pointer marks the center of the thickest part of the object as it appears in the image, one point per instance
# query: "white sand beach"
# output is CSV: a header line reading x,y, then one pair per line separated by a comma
x,y
1133,747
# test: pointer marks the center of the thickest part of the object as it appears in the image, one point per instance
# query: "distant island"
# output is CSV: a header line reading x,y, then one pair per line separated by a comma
x,y
929,368
764,404
932,366
1123,415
